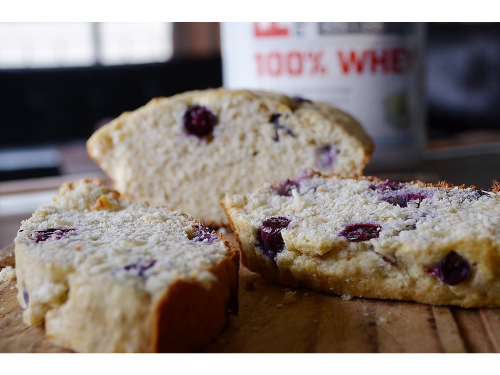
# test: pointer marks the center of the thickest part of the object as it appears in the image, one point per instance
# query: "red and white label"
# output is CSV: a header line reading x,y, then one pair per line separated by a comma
x,y
372,75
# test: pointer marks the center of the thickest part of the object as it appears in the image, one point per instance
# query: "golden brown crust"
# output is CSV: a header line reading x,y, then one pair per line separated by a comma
x,y
444,185
215,224
189,315
231,223
360,170
495,187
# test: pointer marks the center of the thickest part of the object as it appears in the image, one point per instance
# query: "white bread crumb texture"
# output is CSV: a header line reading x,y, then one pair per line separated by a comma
x,y
7,274
378,238
89,231
258,137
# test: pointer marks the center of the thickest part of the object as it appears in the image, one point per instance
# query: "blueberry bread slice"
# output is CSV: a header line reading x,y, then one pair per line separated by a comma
x,y
434,244
107,275
188,150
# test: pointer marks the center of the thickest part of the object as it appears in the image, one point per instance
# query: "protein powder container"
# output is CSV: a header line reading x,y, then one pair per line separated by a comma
x,y
372,70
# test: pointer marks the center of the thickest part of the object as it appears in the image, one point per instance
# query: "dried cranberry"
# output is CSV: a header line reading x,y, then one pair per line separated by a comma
x,y
274,119
360,232
140,268
50,233
284,188
204,234
269,238
199,120
452,269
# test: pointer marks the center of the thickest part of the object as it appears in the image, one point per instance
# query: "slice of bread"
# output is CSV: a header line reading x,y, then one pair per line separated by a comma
x,y
187,151
107,275
434,244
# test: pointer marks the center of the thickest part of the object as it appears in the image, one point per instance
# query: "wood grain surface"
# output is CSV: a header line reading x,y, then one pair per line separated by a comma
x,y
7,256
276,319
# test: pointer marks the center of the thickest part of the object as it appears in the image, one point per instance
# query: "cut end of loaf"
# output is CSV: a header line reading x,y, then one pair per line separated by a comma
x,y
187,151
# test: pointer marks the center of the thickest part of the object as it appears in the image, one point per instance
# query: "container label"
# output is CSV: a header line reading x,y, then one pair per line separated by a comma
x,y
370,70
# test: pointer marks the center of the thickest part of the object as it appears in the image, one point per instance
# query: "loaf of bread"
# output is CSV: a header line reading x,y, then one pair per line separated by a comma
x,y
107,275
434,244
187,151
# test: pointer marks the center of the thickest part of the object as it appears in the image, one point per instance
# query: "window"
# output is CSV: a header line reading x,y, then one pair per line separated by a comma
x,y
79,44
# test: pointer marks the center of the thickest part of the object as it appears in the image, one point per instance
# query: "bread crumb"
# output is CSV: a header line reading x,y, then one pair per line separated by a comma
x,y
266,299
306,294
255,328
279,305
315,320
249,284
289,297
8,274
382,320
348,280
346,297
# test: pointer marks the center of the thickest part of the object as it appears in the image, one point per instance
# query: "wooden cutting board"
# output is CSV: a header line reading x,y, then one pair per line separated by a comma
x,y
274,319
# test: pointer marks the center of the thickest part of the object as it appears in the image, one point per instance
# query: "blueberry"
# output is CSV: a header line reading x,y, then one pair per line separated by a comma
x,y
140,268
386,185
50,233
284,188
476,194
325,156
26,296
299,100
402,200
199,121
452,269
269,238
274,119
360,232
204,234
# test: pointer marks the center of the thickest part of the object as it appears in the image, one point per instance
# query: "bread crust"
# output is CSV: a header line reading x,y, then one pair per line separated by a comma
x,y
189,316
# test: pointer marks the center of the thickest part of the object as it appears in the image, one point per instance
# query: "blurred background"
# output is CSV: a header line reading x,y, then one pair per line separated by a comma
x,y
60,81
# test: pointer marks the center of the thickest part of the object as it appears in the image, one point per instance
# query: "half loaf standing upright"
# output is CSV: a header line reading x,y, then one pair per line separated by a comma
x,y
188,150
